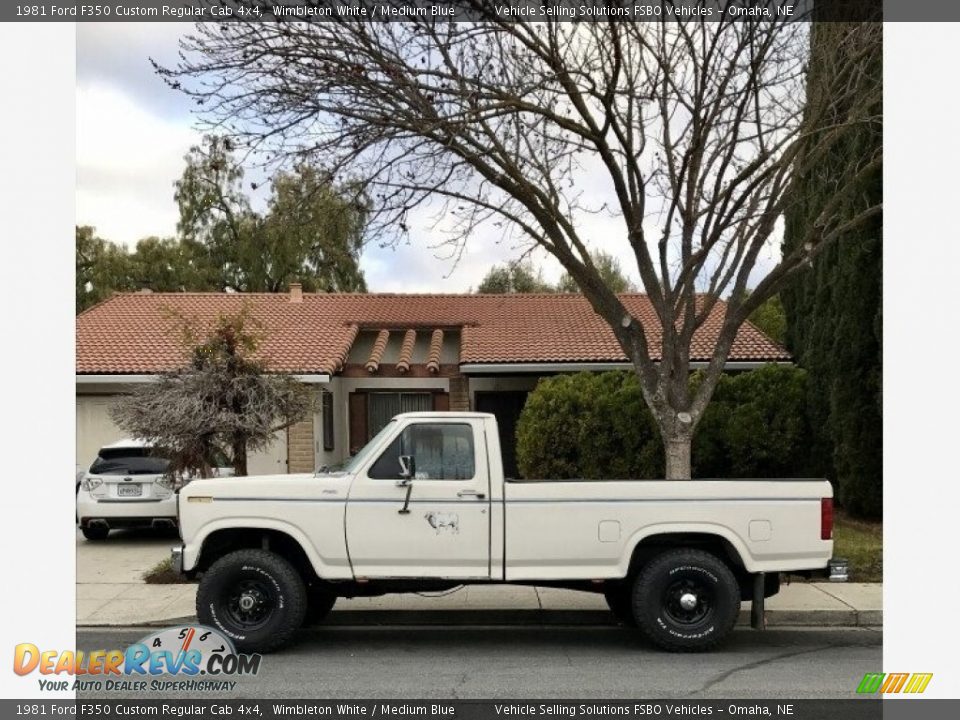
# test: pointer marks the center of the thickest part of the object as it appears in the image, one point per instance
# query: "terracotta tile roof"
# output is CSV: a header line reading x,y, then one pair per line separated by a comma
x,y
135,332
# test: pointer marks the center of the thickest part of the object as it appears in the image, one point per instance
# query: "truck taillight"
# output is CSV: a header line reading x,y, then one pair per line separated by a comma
x,y
826,518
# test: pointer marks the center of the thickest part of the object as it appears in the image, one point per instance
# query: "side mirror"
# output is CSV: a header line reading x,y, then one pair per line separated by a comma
x,y
408,468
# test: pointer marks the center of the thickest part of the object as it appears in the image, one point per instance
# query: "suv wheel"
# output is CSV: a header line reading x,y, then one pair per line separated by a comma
x,y
97,532
686,600
255,597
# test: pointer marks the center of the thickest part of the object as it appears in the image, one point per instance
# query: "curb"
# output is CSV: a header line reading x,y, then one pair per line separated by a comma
x,y
354,618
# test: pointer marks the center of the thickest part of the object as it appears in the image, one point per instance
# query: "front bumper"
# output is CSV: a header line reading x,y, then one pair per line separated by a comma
x,y
176,559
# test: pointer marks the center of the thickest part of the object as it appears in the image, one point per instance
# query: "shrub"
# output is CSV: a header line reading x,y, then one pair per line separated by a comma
x,y
596,425
755,426
588,425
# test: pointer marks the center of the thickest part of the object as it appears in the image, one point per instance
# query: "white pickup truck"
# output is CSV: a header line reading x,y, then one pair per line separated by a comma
x,y
425,506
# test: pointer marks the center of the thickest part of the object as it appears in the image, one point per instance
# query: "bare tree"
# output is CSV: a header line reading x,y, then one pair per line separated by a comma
x,y
221,400
698,129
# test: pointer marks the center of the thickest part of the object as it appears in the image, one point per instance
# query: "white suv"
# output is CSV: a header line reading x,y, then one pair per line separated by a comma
x,y
128,486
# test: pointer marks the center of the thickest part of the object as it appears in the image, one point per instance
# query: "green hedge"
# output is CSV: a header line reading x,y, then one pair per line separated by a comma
x,y
596,425
588,425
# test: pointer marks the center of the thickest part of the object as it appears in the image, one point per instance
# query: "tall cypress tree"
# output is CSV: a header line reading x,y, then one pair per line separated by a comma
x,y
834,310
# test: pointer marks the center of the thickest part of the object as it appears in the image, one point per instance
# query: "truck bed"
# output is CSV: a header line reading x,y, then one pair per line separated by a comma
x,y
591,526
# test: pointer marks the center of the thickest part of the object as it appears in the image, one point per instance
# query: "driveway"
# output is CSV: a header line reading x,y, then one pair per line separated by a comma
x,y
110,587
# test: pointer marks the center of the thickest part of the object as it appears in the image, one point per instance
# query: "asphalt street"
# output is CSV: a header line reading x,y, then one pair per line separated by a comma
x,y
542,662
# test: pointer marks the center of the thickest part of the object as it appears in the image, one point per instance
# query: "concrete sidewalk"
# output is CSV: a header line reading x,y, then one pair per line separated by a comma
x,y
798,604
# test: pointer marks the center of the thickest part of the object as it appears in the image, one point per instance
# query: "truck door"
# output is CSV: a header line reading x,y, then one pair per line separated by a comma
x,y
444,530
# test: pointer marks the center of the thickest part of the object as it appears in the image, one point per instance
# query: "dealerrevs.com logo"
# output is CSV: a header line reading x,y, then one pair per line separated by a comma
x,y
910,683
197,657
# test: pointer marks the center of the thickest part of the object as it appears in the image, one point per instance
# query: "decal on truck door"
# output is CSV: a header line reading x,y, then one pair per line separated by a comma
x,y
444,522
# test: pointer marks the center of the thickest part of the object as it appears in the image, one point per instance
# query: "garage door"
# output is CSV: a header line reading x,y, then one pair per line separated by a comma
x,y
94,426
95,429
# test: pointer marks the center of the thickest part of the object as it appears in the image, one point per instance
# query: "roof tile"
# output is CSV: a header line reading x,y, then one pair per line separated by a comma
x,y
136,332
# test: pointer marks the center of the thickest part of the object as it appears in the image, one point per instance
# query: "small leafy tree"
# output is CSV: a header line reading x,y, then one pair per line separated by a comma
x,y
312,232
222,400
771,319
101,268
519,277
608,268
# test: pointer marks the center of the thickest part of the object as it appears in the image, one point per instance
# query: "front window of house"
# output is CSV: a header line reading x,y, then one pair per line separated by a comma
x,y
383,406
442,451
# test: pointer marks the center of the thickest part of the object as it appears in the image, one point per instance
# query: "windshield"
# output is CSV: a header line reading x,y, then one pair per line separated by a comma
x,y
357,460
128,461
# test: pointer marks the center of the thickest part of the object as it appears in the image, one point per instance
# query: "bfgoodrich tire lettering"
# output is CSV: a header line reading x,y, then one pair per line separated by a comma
x,y
255,597
686,600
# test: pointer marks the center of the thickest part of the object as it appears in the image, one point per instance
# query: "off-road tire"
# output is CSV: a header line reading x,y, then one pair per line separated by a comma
x,y
621,605
661,617
95,533
271,577
320,601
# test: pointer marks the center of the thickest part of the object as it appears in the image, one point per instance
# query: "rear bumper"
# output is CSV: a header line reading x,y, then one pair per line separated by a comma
x,y
126,523
836,570
160,512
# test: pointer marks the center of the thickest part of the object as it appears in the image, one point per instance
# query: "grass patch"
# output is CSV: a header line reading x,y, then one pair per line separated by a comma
x,y
860,542
162,574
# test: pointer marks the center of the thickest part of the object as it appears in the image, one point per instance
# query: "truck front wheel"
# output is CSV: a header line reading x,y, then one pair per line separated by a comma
x,y
686,600
254,597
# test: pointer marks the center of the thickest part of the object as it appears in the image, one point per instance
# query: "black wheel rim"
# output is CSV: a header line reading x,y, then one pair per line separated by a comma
x,y
249,603
688,601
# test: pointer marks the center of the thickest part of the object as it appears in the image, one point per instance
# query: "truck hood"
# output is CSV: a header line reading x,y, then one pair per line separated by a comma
x,y
328,486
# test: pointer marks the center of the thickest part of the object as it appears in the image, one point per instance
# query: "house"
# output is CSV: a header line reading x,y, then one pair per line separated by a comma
x,y
371,356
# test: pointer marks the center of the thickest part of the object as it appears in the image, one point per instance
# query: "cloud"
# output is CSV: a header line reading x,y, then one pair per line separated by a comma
x,y
127,161
120,53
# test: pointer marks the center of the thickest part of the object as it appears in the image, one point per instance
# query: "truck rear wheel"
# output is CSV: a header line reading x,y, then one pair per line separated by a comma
x,y
255,597
686,600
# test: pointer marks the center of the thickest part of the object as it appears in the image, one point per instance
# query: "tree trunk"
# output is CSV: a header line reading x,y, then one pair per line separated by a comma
x,y
677,451
239,451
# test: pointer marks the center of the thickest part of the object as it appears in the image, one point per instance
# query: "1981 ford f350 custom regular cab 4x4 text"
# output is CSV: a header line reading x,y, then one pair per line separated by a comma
x,y
425,506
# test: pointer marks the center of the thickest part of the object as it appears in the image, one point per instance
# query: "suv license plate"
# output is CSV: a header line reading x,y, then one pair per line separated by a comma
x,y
129,490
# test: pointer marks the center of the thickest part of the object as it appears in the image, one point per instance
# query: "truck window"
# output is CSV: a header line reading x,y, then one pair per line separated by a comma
x,y
442,451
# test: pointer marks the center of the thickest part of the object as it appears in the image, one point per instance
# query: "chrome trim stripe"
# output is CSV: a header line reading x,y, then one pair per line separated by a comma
x,y
657,500
517,501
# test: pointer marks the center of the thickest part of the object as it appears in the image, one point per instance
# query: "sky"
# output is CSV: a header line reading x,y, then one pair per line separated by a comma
x,y
133,132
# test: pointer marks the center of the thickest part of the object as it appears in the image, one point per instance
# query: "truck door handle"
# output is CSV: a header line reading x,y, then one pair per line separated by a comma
x,y
471,493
